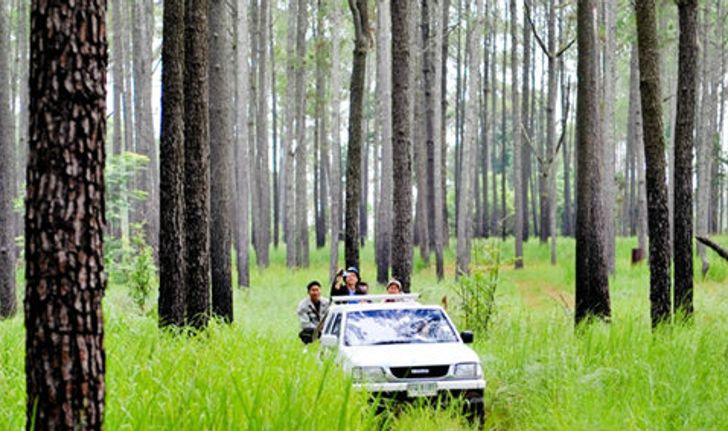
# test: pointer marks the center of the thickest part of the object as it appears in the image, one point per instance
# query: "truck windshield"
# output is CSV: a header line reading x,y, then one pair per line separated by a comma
x,y
404,326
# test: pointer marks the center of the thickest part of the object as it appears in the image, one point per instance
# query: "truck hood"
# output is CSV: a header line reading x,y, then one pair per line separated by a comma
x,y
407,355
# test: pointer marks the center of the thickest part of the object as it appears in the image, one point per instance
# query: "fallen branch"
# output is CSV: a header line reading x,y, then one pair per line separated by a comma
x,y
718,249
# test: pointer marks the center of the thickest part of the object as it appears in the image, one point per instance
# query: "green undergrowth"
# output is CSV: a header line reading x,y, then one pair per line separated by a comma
x,y
542,373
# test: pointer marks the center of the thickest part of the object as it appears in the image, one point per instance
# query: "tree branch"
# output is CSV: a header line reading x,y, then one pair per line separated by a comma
x,y
530,145
535,33
564,48
718,249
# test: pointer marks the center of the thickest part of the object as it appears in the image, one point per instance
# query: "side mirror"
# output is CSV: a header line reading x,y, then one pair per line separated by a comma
x,y
467,336
329,340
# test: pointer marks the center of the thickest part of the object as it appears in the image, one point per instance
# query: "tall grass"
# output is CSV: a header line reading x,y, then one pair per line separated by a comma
x,y
541,372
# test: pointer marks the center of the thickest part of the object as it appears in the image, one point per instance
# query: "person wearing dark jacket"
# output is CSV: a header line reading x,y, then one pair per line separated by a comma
x,y
348,283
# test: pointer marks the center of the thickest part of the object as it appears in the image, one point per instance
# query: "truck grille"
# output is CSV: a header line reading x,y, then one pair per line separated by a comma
x,y
426,371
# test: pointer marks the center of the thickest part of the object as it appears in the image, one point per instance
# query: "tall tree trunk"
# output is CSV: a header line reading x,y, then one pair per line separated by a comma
x,y
321,139
254,28
516,137
526,129
609,76
64,247
683,173
360,14
401,142
242,175
289,215
550,219
457,171
197,164
567,227
493,120
336,218
171,184
262,165
117,54
592,281
277,158
221,157
421,22
143,120
703,149
383,222
125,48
437,192
465,216
23,102
7,178
301,151
443,122
640,209
504,133
366,149
484,221
658,219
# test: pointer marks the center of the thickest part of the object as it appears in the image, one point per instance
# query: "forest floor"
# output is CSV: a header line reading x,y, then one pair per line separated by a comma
x,y
541,373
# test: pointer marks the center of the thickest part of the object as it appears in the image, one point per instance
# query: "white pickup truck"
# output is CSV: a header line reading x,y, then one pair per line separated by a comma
x,y
399,349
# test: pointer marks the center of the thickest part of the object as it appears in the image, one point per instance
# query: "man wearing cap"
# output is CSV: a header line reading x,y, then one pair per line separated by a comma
x,y
347,283
310,312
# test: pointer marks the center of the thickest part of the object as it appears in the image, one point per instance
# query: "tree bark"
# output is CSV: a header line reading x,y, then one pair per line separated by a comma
x,y
516,138
8,302
493,121
23,102
197,164
683,173
592,281
221,157
443,123
434,150
289,215
526,128
301,151
321,138
242,176
658,220
703,149
262,172
360,14
65,280
171,184
383,222
401,142
142,41
484,221
465,214
609,77
336,192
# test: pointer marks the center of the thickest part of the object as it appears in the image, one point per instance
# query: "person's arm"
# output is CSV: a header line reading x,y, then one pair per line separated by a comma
x,y
303,315
336,285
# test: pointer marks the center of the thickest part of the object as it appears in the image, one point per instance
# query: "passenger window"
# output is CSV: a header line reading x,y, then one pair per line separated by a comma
x,y
336,327
327,326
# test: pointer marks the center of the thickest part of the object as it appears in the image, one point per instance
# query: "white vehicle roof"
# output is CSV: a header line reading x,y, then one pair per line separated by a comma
x,y
377,302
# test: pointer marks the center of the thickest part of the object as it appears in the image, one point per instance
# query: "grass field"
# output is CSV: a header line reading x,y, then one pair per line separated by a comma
x,y
541,373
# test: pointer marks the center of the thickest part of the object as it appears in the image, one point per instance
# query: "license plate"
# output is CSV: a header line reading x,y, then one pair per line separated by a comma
x,y
421,389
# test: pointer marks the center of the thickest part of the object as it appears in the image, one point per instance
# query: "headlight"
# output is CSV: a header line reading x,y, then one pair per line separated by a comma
x,y
467,370
368,374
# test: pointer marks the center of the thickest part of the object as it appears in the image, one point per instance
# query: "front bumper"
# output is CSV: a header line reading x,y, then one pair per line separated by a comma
x,y
442,386
469,392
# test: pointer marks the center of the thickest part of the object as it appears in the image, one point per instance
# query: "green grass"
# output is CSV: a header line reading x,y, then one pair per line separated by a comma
x,y
541,373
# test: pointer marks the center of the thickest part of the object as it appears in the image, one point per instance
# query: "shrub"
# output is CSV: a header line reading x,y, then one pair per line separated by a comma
x,y
476,290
